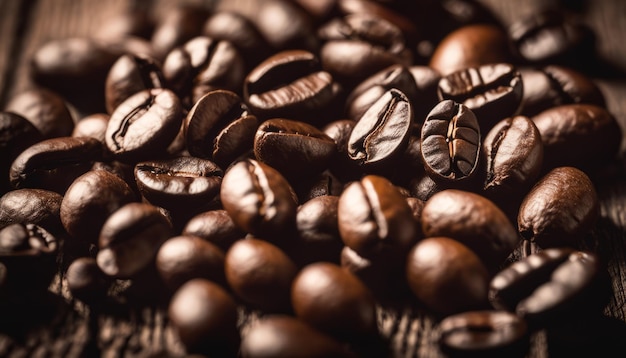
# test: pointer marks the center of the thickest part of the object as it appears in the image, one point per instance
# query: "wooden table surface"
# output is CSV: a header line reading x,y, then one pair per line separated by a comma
x,y
71,329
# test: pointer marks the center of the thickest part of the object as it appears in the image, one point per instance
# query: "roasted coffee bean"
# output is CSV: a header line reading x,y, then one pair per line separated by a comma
x,y
32,206
382,133
423,187
322,184
549,37
336,302
54,163
472,220
134,22
451,142
45,109
514,154
359,45
493,92
484,334
86,281
183,258
89,201
219,127
285,26
131,74
241,32
371,89
471,46
580,135
202,65
130,239
259,199
94,126
296,149
340,164
547,287
204,317
260,274
182,184
374,218
447,276
177,26
144,125
318,231
29,253
427,81
290,84
560,209
214,226
16,135
285,336
553,85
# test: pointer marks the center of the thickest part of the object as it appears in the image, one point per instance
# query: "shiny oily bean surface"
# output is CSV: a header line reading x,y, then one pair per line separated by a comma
x,y
86,281
93,125
130,238
259,199
382,133
260,274
451,142
215,226
32,206
484,334
560,209
446,276
493,92
204,317
334,301
131,74
296,149
143,125
285,336
45,110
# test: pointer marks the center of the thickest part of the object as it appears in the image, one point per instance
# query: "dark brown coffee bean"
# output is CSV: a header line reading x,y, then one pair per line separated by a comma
x,y
325,183
219,127
580,135
16,135
447,276
290,84
284,336
493,92
470,46
130,238
285,26
340,164
131,74
334,301
32,206
259,199
296,149
382,133
94,126
45,109
560,209
183,258
177,26
260,274
54,163
484,334
374,218
451,142
427,81
204,317
144,124
214,226
423,187
473,220
86,281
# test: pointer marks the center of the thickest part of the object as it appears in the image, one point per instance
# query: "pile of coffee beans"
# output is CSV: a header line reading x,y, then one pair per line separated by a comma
x,y
312,160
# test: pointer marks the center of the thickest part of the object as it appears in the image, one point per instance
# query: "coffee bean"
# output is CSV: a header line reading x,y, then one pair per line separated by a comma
x,y
131,74
220,127
94,126
285,336
484,334
144,124
382,133
54,163
45,109
214,226
285,26
259,199
177,26
427,80
16,135
290,84
493,92
374,218
130,239
296,149
86,281
451,142
32,206
340,164
446,276
260,274
334,301
183,258
204,318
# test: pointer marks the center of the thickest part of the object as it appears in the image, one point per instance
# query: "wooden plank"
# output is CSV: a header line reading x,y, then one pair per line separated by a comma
x,y
12,22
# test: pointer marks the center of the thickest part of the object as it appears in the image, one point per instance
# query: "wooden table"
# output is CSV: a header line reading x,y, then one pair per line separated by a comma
x,y
72,329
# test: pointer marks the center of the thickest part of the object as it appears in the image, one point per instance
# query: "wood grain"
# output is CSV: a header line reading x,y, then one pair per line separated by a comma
x,y
123,327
